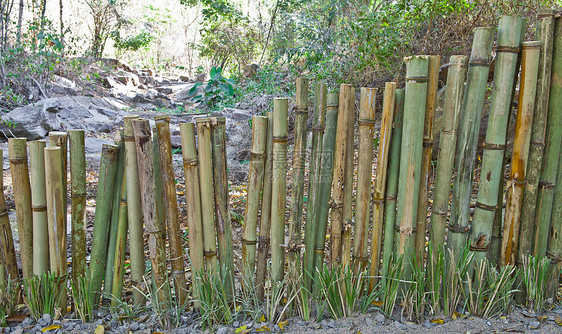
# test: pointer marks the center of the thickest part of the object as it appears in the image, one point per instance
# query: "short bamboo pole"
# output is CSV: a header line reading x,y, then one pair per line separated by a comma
x,y
155,228
550,163
279,188
366,123
134,211
253,203
525,109
171,208
471,114
385,138
7,250
102,219
206,187
423,197
390,225
158,185
346,108
265,216
447,150
193,199
78,202
55,190
22,198
39,207
120,246
509,39
545,34
60,139
349,177
318,125
411,156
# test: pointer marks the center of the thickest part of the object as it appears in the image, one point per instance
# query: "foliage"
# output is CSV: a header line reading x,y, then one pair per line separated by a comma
x,y
213,301
43,294
535,274
10,293
131,43
391,283
215,91
83,302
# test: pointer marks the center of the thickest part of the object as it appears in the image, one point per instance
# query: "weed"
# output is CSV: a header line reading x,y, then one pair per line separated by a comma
x,y
10,293
213,300
535,274
82,297
391,283
43,294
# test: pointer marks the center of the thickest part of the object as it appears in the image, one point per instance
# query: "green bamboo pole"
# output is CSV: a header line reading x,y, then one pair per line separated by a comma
x,y
366,124
554,249
545,34
392,185
550,163
278,188
60,139
385,139
134,212
78,202
158,185
7,250
325,181
102,219
255,180
55,190
299,160
121,246
423,197
471,113
193,201
411,155
494,146
318,125
206,187
155,228
525,109
265,216
447,150
22,198
171,207
39,207
346,108
349,176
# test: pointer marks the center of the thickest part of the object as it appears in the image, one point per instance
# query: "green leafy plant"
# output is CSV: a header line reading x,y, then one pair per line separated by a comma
x,y
43,294
535,274
82,298
453,285
10,293
391,283
215,91
213,300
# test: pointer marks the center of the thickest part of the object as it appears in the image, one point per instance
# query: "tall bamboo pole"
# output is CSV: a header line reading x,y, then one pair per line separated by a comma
x,y
411,155
155,228
265,216
7,250
349,176
509,39
120,245
171,207
55,190
102,219
385,138
78,202
366,124
390,226
471,114
423,197
255,180
278,188
550,163
206,187
22,197
554,250
525,109
339,187
545,34
318,125
134,210
158,185
39,207
193,200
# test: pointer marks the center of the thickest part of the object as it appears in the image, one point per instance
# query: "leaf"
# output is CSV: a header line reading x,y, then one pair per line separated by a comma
x,y
438,321
262,319
558,321
283,324
263,329
99,330
49,328
377,303
242,330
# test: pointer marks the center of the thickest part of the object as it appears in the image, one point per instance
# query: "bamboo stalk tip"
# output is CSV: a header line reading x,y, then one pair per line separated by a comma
x,y
458,59
201,120
218,120
162,118
76,131
52,148
531,44
416,57
56,134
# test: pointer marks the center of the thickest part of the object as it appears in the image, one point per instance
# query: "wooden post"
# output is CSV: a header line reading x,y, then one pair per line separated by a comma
x,y
7,250
78,202
39,207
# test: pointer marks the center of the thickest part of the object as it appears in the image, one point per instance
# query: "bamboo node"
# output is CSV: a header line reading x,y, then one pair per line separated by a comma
x,y
191,162
427,143
360,259
459,229
153,231
366,122
391,197
257,155
301,110
17,161
442,213
546,185
416,79
319,251
479,62
486,206
128,138
335,205
249,242
178,272
489,146
38,208
449,132
540,144
280,139
210,254
318,129
553,258
77,195
507,48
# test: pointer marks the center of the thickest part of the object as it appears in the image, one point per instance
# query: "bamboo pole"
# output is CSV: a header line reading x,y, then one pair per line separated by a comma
x,y
509,39
525,108
60,139
545,34
346,108
423,197
554,249
154,226
318,125
55,190
7,250
265,216
121,245
411,156
255,180
278,188
385,138
134,212
447,150
348,191
549,169
206,187
22,198
171,207
471,114
158,185
78,202
39,207
390,225
366,124
102,219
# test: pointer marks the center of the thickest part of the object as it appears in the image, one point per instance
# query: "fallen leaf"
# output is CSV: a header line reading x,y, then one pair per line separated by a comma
x,y
377,303
17,318
242,330
283,324
99,330
49,328
558,321
541,317
262,319
438,321
157,333
263,329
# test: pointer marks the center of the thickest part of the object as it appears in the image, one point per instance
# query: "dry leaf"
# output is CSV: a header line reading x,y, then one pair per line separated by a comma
x,y
377,303
262,319
99,330
283,324
438,321
49,328
263,329
242,330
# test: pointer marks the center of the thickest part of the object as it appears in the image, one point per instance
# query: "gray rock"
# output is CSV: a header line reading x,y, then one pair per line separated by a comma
x,y
182,330
142,326
380,317
236,324
27,322
428,324
225,330
47,318
7,330
69,326
134,326
399,325
534,324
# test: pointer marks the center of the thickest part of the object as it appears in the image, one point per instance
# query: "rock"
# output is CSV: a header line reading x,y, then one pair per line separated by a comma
x,y
183,94
27,322
380,317
182,330
236,324
534,324
428,324
47,318
134,326
165,90
399,325
128,79
184,78
225,330
201,77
